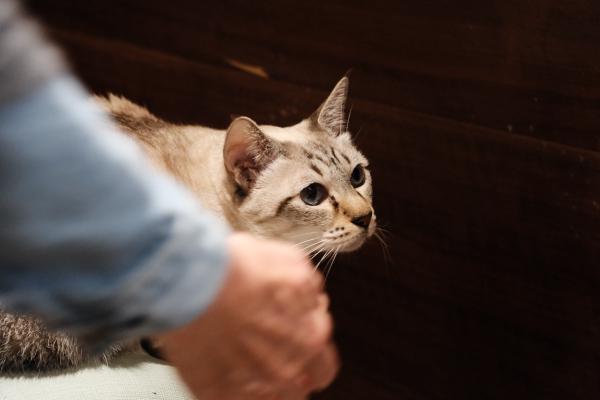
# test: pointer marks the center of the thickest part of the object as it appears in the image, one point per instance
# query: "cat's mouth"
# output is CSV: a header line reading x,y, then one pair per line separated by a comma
x,y
349,244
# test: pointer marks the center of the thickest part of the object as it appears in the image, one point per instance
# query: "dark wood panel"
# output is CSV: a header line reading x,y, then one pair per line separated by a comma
x,y
491,291
523,67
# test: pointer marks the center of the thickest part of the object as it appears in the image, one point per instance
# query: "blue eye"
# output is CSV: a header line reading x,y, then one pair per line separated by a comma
x,y
313,194
357,178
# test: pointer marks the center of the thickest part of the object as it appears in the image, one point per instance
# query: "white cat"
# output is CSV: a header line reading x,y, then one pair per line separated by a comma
x,y
306,184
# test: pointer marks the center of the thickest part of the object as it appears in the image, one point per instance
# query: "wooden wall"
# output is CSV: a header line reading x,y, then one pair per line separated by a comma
x,y
482,122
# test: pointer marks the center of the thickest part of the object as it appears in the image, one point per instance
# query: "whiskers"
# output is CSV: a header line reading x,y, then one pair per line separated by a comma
x,y
330,264
327,260
311,245
318,249
381,236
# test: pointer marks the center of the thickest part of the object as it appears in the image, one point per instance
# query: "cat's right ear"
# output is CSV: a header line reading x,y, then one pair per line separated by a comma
x,y
330,116
247,151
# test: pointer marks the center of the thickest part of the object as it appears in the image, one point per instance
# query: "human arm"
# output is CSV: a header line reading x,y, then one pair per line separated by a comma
x,y
91,236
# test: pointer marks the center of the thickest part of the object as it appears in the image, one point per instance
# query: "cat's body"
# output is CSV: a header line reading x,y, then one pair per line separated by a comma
x,y
192,154
306,184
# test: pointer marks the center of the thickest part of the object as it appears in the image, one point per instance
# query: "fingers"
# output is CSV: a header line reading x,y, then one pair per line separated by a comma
x,y
322,369
296,266
281,329
313,363
323,300
311,334
291,394
298,290
318,373
318,327
297,302
282,349
305,278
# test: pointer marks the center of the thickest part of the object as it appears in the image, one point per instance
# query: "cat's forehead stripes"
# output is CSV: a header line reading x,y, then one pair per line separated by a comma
x,y
346,158
316,169
335,156
326,154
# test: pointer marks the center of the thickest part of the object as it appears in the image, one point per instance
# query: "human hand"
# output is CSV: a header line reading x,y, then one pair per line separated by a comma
x,y
268,333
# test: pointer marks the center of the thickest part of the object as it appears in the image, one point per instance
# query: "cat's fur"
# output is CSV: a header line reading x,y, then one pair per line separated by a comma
x,y
251,175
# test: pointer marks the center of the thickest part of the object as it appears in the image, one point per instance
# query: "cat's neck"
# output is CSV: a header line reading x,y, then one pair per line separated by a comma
x,y
194,155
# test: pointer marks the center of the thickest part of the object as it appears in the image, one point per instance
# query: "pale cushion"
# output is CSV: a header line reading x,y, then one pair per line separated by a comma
x,y
132,376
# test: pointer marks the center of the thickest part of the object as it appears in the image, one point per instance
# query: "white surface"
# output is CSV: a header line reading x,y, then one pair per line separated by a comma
x,y
133,376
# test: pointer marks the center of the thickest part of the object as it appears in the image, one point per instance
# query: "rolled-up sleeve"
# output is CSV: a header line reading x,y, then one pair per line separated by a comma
x,y
92,238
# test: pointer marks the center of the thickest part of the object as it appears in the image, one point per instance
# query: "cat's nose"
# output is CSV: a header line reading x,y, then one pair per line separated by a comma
x,y
363,221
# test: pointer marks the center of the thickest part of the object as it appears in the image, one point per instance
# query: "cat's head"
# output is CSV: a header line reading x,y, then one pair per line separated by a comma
x,y
307,183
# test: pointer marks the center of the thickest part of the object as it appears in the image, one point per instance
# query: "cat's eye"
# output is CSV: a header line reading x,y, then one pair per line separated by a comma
x,y
313,194
357,178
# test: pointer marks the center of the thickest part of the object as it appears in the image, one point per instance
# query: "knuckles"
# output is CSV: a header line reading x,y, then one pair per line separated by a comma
x,y
319,334
288,373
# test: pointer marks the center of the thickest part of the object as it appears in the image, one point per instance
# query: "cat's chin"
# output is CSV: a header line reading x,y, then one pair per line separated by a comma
x,y
352,244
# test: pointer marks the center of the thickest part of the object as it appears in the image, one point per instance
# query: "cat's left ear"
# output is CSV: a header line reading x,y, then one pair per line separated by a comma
x,y
247,151
330,116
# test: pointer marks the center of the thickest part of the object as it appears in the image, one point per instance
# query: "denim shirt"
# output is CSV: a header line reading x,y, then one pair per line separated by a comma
x,y
93,239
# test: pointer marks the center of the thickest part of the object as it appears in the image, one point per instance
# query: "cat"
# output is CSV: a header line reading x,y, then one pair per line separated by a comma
x,y
306,184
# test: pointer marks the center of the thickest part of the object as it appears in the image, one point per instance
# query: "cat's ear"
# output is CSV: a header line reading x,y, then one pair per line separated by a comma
x,y
330,116
247,151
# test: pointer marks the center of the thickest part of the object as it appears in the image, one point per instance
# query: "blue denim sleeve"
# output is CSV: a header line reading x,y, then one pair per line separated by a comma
x,y
92,238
